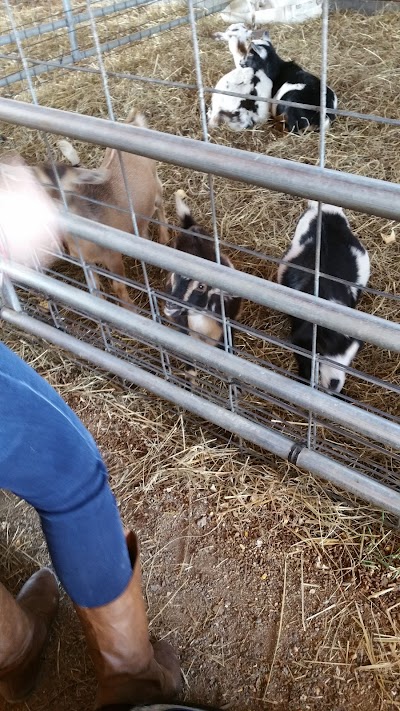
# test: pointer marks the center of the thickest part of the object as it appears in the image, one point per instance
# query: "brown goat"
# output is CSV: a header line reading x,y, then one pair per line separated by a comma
x,y
100,194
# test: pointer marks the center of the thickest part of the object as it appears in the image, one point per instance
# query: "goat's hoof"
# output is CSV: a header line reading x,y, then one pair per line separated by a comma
x,y
129,306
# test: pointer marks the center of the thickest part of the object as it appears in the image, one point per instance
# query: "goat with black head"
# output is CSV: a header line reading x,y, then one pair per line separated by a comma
x,y
194,306
290,82
342,257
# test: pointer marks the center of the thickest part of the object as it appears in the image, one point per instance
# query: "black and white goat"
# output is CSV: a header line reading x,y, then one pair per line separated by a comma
x,y
195,307
290,83
236,112
343,257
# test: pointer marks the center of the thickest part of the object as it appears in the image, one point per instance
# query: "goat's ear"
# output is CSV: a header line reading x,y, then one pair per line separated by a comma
x,y
48,174
84,176
226,261
266,35
258,49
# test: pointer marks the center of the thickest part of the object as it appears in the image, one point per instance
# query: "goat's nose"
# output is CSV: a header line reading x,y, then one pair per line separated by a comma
x,y
171,309
334,384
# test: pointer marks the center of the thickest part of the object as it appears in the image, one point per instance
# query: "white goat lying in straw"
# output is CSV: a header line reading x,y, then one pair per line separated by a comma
x,y
240,113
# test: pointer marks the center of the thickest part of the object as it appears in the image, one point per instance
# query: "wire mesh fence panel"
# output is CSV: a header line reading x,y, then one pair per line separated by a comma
x,y
213,339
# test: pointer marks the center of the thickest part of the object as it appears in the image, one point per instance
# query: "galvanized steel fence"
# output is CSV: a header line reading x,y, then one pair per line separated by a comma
x,y
346,442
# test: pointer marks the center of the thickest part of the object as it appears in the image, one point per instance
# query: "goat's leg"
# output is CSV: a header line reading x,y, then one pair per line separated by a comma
x,y
162,229
113,262
191,374
97,283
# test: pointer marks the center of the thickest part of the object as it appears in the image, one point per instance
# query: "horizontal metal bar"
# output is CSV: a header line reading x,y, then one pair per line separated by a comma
x,y
376,197
358,324
33,31
209,8
79,55
76,19
241,370
349,479
230,245
346,478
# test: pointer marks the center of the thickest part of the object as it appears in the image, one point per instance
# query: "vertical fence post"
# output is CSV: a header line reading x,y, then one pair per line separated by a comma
x,y
69,18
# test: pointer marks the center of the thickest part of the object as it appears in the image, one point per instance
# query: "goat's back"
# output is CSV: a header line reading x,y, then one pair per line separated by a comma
x,y
342,256
138,174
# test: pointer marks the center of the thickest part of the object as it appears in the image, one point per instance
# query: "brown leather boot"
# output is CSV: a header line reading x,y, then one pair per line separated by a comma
x,y
128,668
24,626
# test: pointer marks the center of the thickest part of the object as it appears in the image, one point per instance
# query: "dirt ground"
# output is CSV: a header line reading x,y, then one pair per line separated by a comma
x,y
275,595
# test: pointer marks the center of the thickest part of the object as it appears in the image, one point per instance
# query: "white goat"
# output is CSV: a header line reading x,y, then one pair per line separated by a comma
x,y
238,37
240,113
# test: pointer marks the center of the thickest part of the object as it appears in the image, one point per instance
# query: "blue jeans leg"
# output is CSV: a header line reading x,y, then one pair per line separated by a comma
x,y
48,458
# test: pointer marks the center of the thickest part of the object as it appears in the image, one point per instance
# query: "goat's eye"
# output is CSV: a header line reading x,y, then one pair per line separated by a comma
x,y
201,287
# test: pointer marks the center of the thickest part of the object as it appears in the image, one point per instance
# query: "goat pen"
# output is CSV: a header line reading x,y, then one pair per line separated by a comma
x,y
74,69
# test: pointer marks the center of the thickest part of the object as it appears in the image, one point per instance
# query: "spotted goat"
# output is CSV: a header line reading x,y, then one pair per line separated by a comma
x,y
290,82
238,37
342,257
194,306
241,112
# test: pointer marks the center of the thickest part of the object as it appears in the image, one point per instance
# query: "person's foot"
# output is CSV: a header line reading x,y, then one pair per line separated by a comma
x,y
129,669
24,626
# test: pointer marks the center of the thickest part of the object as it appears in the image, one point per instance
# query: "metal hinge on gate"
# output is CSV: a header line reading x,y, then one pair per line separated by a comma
x,y
295,452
